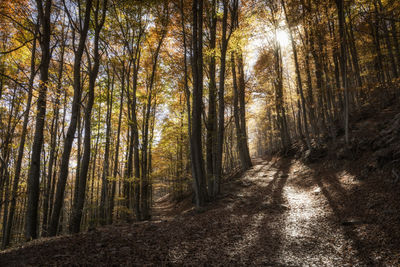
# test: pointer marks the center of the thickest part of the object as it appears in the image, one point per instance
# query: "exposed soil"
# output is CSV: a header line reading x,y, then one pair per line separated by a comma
x,y
280,213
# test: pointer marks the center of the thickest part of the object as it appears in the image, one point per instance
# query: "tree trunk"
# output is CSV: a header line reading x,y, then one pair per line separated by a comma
x,y
53,141
298,78
239,138
242,113
197,108
221,101
80,199
44,14
63,173
340,10
212,112
116,157
14,193
106,165
388,44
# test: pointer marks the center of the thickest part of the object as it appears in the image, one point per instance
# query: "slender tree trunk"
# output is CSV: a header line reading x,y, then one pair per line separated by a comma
x,y
106,164
14,194
196,131
135,140
221,101
340,10
117,145
144,209
388,44
130,136
239,142
298,78
212,112
354,53
242,112
53,141
63,174
380,72
395,40
80,199
44,14
310,96
279,103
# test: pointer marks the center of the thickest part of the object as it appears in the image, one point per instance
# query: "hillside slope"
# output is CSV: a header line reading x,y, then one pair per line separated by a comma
x,y
343,209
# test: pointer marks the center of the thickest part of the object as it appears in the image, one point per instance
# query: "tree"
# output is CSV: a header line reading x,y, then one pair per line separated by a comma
x,y
343,65
7,228
196,147
79,199
63,172
298,77
44,14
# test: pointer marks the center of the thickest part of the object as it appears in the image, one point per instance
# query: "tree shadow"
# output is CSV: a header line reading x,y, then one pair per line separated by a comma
x,y
261,240
350,206
254,198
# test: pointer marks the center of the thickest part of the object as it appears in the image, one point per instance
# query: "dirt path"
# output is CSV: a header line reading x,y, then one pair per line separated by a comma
x,y
293,226
304,225
279,213
303,221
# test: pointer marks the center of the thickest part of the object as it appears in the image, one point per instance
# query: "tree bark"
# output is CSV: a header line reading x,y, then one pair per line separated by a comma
x,y
242,113
236,112
53,141
81,192
63,174
197,107
221,101
117,145
44,14
212,112
21,147
298,78
340,10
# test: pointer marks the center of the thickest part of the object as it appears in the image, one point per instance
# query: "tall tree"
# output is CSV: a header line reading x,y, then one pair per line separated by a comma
x,y
99,20
44,13
197,107
212,111
64,167
298,76
242,113
221,98
7,229
145,184
343,65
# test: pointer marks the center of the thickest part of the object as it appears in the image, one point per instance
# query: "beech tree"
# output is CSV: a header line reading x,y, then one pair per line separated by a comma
x,y
106,106
44,14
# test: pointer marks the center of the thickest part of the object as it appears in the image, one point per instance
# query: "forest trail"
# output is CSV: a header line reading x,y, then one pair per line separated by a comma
x,y
279,213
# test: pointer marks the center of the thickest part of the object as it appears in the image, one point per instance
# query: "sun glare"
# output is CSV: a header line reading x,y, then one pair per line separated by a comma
x,y
283,38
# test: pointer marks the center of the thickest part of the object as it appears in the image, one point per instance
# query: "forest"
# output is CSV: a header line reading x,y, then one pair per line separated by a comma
x,y
200,132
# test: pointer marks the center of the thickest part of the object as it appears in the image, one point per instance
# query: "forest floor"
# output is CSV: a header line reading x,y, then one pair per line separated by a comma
x,y
281,212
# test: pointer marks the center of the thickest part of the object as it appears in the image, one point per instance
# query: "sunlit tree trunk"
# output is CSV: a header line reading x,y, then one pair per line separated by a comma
x,y
298,78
